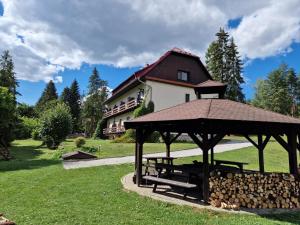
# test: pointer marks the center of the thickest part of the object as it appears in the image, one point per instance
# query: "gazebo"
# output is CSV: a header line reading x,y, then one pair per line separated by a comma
x,y
207,121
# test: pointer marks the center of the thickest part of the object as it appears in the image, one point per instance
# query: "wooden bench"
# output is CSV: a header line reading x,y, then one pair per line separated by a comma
x,y
173,183
240,165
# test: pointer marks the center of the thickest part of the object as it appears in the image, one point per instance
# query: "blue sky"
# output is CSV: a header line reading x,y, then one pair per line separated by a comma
x,y
61,44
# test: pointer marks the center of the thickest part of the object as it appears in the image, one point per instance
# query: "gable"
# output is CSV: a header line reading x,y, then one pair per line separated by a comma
x,y
168,68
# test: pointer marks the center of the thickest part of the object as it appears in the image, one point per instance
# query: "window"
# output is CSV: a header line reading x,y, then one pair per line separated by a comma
x,y
187,97
183,75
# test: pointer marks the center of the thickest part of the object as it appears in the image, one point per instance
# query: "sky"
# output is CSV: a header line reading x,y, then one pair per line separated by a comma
x,y
64,40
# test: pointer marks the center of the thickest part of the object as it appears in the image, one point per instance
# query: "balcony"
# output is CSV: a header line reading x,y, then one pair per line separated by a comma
x,y
114,130
122,108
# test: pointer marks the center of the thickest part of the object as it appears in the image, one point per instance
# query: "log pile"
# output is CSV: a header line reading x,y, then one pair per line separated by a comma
x,y
4,221
255,190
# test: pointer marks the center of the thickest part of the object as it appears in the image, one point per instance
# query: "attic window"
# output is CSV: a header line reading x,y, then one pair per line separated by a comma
x,y
183,75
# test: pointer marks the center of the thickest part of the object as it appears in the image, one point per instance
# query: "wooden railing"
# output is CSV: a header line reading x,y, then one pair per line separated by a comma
x,y
114,130
131,104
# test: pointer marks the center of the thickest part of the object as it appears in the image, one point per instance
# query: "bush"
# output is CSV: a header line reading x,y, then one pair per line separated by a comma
x,y
56,124
25,127
128,137
154,137
99,129
79,142
35,134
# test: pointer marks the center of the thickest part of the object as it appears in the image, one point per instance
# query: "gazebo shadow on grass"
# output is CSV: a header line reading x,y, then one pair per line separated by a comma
x,y
293,217
26,158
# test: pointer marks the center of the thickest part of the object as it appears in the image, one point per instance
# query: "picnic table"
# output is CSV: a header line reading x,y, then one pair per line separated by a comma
x,y
153,161
240,165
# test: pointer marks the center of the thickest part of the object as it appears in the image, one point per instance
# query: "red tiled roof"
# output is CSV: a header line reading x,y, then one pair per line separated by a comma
x,y
210,83
144,71
216,109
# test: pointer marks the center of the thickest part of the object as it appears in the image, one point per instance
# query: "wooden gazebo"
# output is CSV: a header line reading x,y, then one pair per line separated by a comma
x,y
207,121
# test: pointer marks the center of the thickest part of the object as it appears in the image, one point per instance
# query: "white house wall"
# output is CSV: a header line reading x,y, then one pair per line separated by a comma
x,y
167,95
117,118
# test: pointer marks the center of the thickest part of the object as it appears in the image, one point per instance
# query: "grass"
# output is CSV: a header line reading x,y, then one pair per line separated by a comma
x,y
35,189
110,149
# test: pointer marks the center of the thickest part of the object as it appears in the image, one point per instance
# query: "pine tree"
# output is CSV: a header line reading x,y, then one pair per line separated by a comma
x,y
65,96
234,69
224,64
95,83
293,90
49,94
94,102
75,105
7,74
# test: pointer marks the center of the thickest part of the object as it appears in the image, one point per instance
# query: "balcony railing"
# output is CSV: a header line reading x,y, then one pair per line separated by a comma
x,y
114,130
129,105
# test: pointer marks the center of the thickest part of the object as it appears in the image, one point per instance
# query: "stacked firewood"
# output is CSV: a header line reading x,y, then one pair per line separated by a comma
x,y
254,190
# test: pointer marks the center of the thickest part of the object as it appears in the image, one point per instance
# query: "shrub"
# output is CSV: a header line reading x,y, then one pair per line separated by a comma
x,y
25,127
56,124
35,134
79,142
128,137
154,137
99,129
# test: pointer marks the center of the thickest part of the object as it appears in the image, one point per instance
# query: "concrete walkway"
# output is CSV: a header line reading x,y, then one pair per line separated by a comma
x,y
228,146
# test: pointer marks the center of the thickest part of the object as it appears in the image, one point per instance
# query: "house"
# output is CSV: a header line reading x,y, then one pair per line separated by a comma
x,y
176,77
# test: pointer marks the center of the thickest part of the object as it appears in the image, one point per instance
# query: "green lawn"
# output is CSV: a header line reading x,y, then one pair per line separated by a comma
x,y
35,189
110,149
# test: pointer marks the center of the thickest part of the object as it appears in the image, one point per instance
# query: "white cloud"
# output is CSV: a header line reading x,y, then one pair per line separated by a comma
x,y
58,35
270,30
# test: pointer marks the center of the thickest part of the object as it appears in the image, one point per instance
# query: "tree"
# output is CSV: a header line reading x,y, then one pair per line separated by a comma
x,y
65,96
234,70
48,94
260,94
75,105
224,63
56,124
95,82
93,105
7,120
293,90
8,102
26,110
275,92
7,74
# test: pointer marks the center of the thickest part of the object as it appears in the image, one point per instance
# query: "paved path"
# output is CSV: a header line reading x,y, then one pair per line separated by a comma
x,y
229,146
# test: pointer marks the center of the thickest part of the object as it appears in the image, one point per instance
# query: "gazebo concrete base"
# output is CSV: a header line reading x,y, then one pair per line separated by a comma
x,y
166,195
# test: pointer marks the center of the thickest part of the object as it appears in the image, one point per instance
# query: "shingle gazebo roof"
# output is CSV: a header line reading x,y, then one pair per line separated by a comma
x,y
210,83
237,117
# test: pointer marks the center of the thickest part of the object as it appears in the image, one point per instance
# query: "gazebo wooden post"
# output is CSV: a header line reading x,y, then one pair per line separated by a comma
x,y
205,170
168,143
212,156
260,145
292,142
260,153
212,153
139,155
168,140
